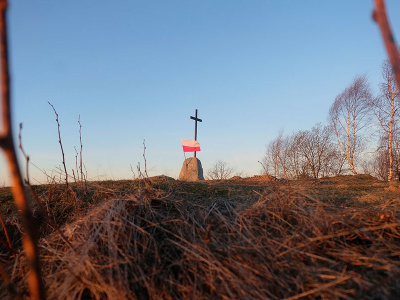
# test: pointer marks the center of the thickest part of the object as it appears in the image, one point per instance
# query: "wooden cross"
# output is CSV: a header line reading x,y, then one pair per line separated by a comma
x,y
195,126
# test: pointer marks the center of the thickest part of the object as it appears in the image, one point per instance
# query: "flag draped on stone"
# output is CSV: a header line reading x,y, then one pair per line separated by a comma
x,y
190,145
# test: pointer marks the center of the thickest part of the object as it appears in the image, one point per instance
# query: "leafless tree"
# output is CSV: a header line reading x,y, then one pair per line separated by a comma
x,y
379,164
306,153
317,150
292,160
333,163
220,170
276,156
348,116
386,108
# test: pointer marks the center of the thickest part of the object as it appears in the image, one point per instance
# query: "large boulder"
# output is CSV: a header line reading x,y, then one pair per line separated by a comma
x,y
191,170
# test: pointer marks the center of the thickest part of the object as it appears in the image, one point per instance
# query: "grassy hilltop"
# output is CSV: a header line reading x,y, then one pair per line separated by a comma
x,y
244,238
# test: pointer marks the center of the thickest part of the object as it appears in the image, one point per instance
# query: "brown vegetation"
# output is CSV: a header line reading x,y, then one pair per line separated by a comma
x,y
160,238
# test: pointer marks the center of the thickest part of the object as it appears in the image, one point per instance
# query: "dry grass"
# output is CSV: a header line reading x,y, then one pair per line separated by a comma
x,y
158,245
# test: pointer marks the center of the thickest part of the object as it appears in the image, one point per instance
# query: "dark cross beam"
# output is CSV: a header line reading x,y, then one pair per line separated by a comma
x,y
195,126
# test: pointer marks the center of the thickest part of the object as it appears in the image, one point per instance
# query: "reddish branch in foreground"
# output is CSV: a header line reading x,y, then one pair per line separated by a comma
x,y
380,17
29,238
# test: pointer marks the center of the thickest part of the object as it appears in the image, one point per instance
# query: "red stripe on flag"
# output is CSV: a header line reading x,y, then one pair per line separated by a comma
x,y
190,149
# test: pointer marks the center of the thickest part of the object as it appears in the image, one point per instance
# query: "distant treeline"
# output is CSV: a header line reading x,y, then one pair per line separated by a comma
x,y
357,119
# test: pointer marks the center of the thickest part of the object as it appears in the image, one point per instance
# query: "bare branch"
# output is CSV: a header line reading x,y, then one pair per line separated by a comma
x,y
144,158
61,146
29,236
81,151
380,17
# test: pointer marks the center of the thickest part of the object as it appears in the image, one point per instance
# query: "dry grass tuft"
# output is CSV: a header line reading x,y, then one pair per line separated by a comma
x,y
154,245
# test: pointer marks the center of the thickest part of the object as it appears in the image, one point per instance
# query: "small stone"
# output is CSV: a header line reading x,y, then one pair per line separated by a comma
x,y
191,170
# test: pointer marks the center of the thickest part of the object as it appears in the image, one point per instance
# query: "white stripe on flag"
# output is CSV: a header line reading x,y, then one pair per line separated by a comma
x,y
190,143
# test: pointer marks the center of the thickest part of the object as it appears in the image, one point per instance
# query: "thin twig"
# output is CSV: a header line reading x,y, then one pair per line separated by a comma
x,y
144,157
10,285
76,166
349,232
81,150
321,288
10,247
61,146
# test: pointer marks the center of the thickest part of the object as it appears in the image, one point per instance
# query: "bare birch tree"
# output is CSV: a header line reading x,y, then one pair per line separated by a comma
x,y
294,161
386,109
348,116
278,156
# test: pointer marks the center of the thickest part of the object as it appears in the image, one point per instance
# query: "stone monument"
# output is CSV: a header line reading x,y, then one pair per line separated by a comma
x,y
192,169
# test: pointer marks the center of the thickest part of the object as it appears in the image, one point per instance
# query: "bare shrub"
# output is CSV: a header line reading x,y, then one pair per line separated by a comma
x,y
220,170
319,155
380,165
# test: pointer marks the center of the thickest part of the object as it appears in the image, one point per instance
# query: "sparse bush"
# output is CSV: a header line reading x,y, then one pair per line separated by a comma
x,y
220,170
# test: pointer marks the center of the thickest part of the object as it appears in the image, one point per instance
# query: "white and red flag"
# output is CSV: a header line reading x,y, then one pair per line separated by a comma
x,y
190,145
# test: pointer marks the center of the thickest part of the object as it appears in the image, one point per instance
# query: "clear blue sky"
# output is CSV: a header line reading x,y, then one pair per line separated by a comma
x,y
136,70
